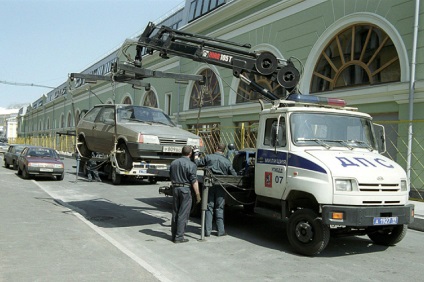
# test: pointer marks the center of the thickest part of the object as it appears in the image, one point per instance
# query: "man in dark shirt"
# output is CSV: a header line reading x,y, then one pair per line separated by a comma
x,y
218,164
183,174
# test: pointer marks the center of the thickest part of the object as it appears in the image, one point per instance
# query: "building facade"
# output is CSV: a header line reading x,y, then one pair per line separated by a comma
x,y
357,50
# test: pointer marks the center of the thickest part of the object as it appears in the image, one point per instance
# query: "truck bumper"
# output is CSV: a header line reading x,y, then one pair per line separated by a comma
x,y
366,216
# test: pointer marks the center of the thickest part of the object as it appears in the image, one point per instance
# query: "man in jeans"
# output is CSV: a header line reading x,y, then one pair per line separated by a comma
x,y
218,164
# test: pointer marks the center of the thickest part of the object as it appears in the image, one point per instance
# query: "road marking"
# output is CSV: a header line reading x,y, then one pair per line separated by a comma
x,y
115,243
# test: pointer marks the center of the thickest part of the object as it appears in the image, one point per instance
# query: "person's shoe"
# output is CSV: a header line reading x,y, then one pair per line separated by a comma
x,y
223,234
181,241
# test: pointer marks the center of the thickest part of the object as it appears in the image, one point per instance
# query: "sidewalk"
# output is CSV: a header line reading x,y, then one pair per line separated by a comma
x,y
418,223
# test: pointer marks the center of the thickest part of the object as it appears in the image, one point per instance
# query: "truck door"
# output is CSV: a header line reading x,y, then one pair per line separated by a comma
x,y
271,160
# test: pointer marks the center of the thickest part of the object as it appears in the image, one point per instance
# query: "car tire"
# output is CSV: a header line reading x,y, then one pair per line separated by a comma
x,y
60,177
124,158
19,171
15,165
25,174
83,149
6,165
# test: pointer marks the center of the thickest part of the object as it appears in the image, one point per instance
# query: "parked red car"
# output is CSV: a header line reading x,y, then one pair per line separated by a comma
x,y
40,161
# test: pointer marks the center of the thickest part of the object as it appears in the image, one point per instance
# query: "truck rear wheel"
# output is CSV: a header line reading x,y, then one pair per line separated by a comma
x,y
116,177
307,233
388,236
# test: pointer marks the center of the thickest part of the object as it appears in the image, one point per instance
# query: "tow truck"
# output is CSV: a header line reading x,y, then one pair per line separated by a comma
x,y
318,164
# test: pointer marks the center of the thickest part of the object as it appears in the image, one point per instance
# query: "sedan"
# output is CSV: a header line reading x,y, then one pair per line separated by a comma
x,y
3,147
132,133
12,154
40,161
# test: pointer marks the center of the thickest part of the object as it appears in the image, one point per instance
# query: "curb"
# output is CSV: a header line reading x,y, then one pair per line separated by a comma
x,y
418,223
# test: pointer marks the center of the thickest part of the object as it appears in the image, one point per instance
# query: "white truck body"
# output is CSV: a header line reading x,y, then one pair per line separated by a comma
x,y
319,168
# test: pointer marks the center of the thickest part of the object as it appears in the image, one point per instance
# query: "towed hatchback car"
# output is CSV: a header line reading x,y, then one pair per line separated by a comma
x,y
40,161
132,133
12,154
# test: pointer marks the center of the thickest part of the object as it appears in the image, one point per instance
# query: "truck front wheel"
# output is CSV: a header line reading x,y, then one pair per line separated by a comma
x,y
388,236
307,233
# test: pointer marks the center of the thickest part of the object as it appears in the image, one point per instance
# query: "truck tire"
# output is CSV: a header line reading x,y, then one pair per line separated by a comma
x,y
388,236
124,158
116,177
196,209
307,233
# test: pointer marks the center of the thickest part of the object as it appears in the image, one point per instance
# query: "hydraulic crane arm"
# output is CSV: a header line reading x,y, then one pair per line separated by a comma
x,y
126,73
218,52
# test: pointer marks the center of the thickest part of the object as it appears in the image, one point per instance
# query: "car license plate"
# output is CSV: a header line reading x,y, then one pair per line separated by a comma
x,y
171,149
385,220
46,169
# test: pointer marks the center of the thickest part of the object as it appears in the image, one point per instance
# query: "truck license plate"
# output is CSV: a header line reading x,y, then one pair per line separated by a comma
x,y
171,149
385,220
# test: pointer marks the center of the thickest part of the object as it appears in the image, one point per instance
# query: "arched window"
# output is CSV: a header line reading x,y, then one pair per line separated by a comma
x,y
77,117
150,99
127,101
362,54
206,95
69,119
62,121
246,94
48,123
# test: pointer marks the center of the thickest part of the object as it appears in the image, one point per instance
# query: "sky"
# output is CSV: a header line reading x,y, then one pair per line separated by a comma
x,y
42,41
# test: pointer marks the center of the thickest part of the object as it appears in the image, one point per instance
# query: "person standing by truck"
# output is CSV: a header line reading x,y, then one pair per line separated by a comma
x,y
218,164
183,175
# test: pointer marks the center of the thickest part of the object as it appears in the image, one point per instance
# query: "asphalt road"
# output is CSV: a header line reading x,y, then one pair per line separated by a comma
x,y
74,230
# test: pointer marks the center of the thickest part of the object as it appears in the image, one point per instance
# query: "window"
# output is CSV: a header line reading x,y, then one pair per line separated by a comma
x,y
69,120
91,115
275,132
246,94
150,99
127,101
362,54
199,8
207,95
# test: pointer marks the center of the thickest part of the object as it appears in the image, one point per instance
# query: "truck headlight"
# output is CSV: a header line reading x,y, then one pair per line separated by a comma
x,y
344,185
403,185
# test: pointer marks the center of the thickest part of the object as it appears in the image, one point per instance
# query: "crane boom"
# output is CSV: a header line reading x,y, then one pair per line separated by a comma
x,y
224,53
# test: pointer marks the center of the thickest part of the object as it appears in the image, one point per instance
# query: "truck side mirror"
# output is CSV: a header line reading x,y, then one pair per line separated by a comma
x,y
380,135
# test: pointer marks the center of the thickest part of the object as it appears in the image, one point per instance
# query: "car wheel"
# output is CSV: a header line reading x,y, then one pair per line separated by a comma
x,y
83,149
19,171
6,165
25,174
15,165
60,177
123,157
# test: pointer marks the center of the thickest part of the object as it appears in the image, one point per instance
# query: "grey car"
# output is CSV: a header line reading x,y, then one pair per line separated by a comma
x,y
12,154
132,133
3,147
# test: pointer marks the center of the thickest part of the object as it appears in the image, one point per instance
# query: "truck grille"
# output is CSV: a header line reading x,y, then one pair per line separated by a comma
x,y
372,187
172,141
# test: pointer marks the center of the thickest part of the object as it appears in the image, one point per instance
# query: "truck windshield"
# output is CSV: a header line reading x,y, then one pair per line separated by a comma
x,y
332,130
143,114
